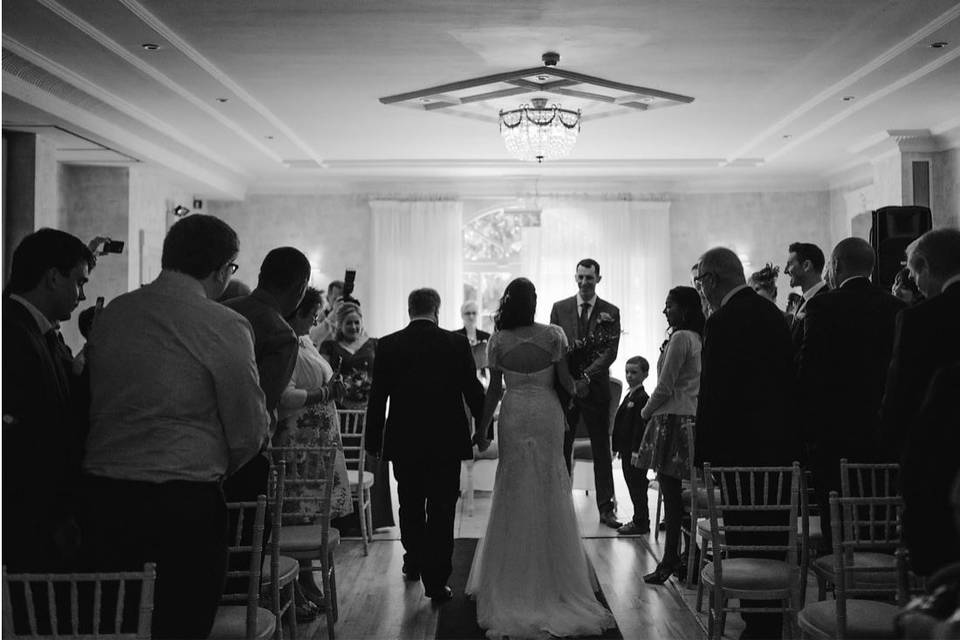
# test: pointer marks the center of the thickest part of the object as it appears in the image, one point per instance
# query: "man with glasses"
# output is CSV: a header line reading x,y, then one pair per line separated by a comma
x,y
176,406
744,412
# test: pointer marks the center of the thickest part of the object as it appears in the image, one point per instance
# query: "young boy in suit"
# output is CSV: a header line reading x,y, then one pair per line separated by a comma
x,y
628,429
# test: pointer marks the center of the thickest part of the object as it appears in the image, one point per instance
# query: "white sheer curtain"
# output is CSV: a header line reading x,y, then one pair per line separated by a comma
x,y
414,244
630,240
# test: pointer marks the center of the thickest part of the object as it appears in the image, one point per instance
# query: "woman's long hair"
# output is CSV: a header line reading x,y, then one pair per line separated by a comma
x,y
691,309
345,310
517,306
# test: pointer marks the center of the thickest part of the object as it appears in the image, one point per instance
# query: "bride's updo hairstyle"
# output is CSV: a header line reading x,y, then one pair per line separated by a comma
x,y
517,306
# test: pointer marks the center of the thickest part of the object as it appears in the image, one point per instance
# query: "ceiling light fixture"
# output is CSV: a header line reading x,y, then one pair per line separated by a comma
x,y
849,98
940,44
539,132
222,100
150,46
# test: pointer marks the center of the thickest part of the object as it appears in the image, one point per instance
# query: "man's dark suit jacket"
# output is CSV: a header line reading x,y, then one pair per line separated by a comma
x,y
565,314
744,413
481,335
274,344
926,338
796,327
628,426
41,442
843,366
930,465
426,373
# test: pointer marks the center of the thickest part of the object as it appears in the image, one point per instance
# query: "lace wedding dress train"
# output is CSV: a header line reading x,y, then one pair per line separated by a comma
x,y
530,575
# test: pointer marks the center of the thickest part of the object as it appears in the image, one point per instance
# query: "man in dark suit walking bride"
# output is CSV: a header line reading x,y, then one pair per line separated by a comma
x,y
592,327
426,373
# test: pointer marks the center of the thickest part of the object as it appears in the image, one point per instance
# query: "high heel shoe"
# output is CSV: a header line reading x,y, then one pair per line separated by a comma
x,y
661,574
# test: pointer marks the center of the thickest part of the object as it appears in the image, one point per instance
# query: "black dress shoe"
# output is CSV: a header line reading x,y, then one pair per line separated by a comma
x,y
442,594
610,519
661,574
410,573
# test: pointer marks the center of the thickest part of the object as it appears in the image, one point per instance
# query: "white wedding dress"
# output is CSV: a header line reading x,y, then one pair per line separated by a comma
x,y
530,576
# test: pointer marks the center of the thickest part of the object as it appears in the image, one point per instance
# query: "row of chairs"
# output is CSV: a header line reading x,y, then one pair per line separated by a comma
x,y
301,479
756,541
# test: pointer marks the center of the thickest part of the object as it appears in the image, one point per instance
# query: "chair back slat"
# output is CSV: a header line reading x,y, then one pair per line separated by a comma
x,y
353,424
64,598
307,485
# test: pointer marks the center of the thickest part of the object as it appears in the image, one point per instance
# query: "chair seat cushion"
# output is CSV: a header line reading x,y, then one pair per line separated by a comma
x,y
864,560
865,619
231,622
352,474
751,574
305,537
289,567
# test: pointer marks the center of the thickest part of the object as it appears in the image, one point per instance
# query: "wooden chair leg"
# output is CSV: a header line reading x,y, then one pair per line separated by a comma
x,y
691,555
656,522
712,614
369,514
362,516
328,601
292,609
333,590
722,624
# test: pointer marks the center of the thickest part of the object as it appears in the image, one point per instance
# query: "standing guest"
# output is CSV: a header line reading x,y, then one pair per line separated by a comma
x,y
843,365
423,365
926,336
281,283
627,431
47,275
477,338
805,264
592,327
744,412
308,417
930,463
764,282
176,406
352,354
905,288
327,326
671,408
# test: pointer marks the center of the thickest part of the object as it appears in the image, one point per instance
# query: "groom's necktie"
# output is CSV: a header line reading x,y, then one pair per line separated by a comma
x,y
584,319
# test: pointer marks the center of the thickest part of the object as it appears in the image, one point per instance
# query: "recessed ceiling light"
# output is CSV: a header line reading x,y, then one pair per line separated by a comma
x,y
787,136
222,99
150,46
940,44
269,137
849,98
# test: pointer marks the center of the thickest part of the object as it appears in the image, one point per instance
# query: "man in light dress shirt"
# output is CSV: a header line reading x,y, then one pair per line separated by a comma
x,y
176,406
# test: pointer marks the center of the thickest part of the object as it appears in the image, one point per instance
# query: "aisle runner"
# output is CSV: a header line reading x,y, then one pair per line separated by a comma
x,y
457,619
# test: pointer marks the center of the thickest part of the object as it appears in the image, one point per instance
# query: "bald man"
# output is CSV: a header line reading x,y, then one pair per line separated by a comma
x,y
744,416
844,356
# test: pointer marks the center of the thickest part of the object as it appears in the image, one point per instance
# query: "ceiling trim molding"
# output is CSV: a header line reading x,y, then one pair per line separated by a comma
x,y
913,76
885,57
218,74
158,76
70,77
140,147
448,166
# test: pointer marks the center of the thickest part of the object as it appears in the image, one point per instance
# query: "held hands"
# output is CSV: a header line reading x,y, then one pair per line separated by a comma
x,y
481,442
581,388
635,459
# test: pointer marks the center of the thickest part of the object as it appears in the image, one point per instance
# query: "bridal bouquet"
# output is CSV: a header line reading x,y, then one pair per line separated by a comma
x,y
357,385
587,349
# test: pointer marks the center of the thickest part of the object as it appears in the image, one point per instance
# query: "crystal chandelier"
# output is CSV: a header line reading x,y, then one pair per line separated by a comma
x,y
538,132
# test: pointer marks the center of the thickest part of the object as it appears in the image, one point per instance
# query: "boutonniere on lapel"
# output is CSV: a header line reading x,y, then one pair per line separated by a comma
x,y
604,318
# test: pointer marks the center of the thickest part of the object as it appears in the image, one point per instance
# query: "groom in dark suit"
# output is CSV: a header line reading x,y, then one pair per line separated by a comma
x,y
579,316
426,373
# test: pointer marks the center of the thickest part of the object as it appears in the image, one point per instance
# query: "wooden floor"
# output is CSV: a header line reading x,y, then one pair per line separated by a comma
x,y
376,602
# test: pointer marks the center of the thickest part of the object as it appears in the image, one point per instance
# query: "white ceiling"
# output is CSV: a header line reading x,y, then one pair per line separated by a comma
x,y
302,80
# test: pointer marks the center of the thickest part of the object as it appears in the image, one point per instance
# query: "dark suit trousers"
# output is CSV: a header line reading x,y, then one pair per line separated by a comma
x,y
181,526
428,492
246,483
637,485
597,420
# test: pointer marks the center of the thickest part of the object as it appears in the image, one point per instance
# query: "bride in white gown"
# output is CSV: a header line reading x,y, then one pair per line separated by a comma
x,y
530,576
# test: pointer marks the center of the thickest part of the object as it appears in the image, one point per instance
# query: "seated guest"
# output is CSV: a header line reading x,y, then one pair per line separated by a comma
x,y
665,447
478,338
352,353
926,336
905,288
627,431
308,417
929,465
843,366
176,406
744,411
764,282
47,274
327,326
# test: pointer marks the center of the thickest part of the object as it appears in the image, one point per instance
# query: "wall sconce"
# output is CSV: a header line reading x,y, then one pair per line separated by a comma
x,y
180,211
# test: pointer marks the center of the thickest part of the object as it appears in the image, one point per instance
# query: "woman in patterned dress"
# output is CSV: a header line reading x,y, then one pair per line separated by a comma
x,y
673,405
